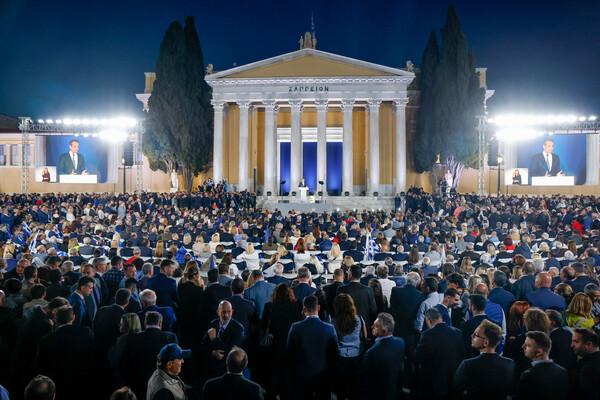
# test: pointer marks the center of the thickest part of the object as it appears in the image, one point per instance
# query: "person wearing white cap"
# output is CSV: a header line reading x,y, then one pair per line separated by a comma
x,y
165,382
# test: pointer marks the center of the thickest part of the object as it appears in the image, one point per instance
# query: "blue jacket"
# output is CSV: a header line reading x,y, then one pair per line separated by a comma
x,y
303,290
380,364
82,317
260,293
544,298
169,318
503,298
165,289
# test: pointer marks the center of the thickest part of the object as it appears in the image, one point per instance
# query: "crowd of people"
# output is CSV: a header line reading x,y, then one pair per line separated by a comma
x,y
201,295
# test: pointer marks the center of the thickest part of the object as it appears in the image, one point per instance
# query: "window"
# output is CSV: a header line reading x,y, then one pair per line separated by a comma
x,y
14,154
2,154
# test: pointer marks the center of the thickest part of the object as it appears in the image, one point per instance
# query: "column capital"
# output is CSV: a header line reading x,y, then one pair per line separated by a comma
x,y
269,104
218,105
244,105
321,105
296,104
400,104
348,105
374,104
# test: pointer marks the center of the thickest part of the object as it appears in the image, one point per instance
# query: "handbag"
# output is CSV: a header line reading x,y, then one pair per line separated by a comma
x,y
266,339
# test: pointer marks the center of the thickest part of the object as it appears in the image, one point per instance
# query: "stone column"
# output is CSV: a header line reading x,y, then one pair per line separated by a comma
x,y
296,145
270,167
400,112
347,160
218,141
373,146
321,105
244,106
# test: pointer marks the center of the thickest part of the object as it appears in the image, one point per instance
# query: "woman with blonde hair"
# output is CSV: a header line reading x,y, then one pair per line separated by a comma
x,y
187,240
466,267
214,241
309,239
517,273
287,242
334,258
198,245
114,244
173,248
250,257
73,244
579,312
472,283
294,239
159,251
564,290
491,250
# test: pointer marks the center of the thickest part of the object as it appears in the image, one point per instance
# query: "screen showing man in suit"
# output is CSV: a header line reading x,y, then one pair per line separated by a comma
x,y
550,156
71,162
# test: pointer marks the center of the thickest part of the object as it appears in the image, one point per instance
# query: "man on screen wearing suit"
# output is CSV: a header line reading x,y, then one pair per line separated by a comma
x,y
71,162
545,163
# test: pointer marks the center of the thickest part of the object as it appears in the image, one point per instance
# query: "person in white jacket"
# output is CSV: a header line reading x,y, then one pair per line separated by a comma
x,y
250,256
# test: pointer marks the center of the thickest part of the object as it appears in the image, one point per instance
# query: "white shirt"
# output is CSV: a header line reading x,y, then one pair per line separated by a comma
x,y
386,287
548,159
75,159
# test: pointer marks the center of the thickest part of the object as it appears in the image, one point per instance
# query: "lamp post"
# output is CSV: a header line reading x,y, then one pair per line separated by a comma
x,y
499,165
124,176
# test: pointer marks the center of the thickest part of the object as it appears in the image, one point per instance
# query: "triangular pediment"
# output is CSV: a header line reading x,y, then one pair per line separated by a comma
x,y
308,63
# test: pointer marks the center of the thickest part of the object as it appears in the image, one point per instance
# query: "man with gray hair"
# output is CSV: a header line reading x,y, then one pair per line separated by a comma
x,y
427,268
148,300
538,264
404,305
303,288
147,272
278,278
380,363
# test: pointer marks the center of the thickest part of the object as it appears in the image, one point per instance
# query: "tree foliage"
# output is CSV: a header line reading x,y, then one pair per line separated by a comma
x,y
180,119
450,99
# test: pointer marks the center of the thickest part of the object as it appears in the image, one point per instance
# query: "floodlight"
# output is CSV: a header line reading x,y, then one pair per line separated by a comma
x,y
113,135
76,122
86,134
581,119
58,121
40,121
592,118
68,121
49,121
85,121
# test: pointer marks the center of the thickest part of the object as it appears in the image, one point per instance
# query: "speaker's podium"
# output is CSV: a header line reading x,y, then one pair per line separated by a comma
x,y
78,178
302,191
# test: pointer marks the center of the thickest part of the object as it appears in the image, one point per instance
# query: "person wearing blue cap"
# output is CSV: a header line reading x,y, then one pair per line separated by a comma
x,y
165,382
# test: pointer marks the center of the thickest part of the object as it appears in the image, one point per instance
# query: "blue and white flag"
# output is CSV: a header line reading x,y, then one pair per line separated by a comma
x,y
26,230
267,234
370,248
180,256
33,245
59,252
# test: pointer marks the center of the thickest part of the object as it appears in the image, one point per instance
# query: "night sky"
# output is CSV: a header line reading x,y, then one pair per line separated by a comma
x,y
87,58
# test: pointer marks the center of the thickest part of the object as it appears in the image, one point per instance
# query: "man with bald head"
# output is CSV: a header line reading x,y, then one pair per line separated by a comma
x,y
543,297
223,334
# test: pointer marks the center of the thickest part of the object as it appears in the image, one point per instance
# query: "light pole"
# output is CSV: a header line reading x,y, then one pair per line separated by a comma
x,y
499,165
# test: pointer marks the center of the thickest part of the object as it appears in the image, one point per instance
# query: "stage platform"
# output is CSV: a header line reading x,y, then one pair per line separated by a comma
x,y
329,204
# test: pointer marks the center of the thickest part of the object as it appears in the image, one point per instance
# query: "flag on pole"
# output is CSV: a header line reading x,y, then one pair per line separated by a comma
x,y
59,252
212,262
370,248
33,244
26,230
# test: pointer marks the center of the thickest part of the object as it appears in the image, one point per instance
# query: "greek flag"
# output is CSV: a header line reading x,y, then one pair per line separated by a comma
x,y
26,230
267,234
8,232
212,262
59,252
33,244
370,248
181,255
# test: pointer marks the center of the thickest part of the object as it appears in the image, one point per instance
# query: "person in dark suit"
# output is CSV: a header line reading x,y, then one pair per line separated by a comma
x,y
586,375
545,163
71,162
356,255
108,318
561,352
233,385
543,297
148,300
164,286
404,305
581,280
489,375
223,334
439,353
303,289
331,289
363,296
138,362
477,304
278,278
311,353
83,316
380,372
545,379
66,355
214,293
526,283
245,310
499,295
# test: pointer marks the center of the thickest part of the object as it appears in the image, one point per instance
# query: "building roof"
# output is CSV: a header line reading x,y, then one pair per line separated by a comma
x,y
9,123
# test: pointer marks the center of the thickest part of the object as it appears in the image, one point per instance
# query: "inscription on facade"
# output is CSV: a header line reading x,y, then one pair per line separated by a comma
x,y
309,88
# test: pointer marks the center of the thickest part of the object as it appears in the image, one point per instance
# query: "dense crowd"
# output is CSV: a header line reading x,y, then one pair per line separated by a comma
x,y
201,295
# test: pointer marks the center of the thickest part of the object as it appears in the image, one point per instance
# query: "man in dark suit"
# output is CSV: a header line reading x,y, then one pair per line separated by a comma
x,y
311,352
215,292
489,375
84,288
404,303
477,304
108,318
586,374
499,295
148,300
561,352
233,385
164,286
439,353
304,288
543,297
245,310
141,349
545,379
66,354
332,288
526,282
223,334
545,163
380,372
356,255
581,280
277,278
71,162
363,296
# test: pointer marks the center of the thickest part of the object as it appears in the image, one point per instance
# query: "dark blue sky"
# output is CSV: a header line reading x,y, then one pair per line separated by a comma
x,y
83,58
